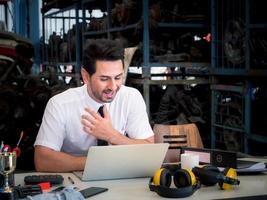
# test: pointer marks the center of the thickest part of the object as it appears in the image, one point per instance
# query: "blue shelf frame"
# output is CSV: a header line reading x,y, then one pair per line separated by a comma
x,y
26,19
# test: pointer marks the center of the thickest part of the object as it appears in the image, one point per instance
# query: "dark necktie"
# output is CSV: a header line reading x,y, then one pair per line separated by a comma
x,y
101,142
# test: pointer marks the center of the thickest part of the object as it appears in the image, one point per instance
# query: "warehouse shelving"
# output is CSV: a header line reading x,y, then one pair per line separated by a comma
x,y
142,22
239,75
185,72
148,62
185,69
61,13
240,79
105,26
188,72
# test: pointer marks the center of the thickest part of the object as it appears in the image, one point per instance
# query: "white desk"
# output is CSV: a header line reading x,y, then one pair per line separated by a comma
x,y
132,189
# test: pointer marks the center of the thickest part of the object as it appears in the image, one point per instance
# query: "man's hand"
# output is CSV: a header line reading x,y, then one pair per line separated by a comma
x,y
100,127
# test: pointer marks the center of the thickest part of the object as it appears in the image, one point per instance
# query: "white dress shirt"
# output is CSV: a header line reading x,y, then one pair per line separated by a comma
x,y
61,127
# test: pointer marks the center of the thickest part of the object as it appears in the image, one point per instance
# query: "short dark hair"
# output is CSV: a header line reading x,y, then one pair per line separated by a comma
x,y
101,50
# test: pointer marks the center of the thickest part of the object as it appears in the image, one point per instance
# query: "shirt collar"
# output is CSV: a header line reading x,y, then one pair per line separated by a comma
x,y
91,102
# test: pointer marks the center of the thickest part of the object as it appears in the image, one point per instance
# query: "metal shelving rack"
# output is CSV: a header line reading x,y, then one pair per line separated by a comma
x,y
105,7
147,64
179,27
60,8
237,75
233,74
189,72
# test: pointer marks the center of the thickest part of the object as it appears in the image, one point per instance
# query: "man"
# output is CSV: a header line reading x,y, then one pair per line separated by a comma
x,y
71,123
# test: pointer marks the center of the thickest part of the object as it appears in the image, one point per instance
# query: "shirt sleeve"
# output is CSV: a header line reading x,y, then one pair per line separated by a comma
x,y
138,126
52,131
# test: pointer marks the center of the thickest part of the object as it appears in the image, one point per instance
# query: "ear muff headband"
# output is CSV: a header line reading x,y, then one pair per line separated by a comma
x,y
207,176
211,167
209,181
174,192
193,177
160,183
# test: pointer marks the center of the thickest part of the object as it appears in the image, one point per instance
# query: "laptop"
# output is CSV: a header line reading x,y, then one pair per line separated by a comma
x,y
123,161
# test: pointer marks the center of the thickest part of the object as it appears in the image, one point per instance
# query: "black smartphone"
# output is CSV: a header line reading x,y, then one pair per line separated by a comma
x,y
88,192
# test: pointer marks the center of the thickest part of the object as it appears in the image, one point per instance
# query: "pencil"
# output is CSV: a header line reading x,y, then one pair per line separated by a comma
x,y
71,180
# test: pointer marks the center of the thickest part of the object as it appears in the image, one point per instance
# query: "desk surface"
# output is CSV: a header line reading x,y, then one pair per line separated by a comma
x,y
132,189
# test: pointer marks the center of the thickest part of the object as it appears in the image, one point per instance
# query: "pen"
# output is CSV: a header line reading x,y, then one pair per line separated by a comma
x,y
71,180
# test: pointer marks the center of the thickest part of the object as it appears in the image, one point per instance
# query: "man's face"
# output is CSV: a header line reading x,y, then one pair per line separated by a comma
x,y
104,84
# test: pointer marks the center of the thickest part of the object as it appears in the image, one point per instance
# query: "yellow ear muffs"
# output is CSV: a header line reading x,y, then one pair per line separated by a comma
x,y
212,176
162,177
228,173
183,178
185,182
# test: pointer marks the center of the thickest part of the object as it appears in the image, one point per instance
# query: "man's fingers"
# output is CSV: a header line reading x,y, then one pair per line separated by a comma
x,y
87,130
87,122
